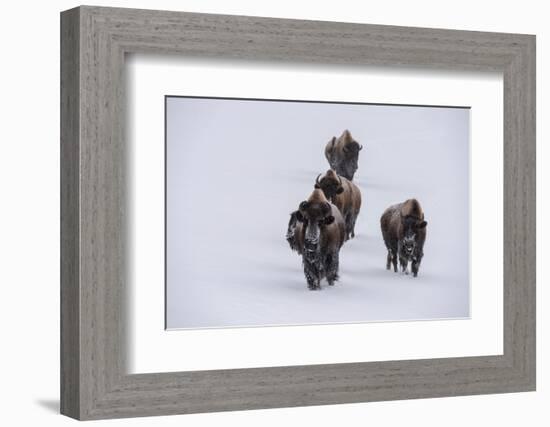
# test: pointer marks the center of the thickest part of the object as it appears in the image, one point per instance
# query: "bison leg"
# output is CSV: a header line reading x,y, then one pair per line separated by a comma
x,y
393,253
347,223
353,219
331,267
312,273
414,268
404,262
416,265
388,261
350,226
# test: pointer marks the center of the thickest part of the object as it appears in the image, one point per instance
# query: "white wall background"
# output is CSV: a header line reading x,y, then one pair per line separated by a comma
x,y
29,171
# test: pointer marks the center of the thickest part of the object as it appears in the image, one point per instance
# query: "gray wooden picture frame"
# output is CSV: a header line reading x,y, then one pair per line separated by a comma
x,y
94,381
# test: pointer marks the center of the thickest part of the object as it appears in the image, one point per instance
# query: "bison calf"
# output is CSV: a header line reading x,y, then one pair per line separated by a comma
x,y
318,232
404,232
344,194
343,154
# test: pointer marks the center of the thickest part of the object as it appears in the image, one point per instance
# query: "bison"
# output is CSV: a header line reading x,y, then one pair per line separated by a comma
x,y
318,234
344,194
342,154
404,232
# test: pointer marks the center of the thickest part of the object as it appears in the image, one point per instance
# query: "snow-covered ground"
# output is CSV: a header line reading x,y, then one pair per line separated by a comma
x,y
236,169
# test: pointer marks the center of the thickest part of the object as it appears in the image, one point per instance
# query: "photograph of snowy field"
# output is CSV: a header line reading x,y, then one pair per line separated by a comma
x,y
241,178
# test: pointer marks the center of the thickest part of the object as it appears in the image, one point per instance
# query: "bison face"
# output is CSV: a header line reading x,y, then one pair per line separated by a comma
x,y
330,185
314,216
412,227
409,244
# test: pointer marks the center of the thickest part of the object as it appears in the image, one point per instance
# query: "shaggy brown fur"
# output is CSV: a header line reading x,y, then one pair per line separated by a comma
x,y
343,154
319,234
404,232
344,194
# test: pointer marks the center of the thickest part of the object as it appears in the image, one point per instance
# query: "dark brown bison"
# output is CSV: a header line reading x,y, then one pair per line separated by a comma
x,y
344,194
342,154
404,231
318,234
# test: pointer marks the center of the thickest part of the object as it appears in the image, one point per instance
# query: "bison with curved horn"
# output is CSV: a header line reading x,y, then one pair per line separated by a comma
x,y
344,194
318,235
343,154
404,232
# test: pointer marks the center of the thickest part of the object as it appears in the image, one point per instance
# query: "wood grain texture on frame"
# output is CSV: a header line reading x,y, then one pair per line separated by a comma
x,y
94,380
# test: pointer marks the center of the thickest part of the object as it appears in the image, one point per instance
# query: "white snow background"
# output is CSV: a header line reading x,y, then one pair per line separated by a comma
x,y
237,168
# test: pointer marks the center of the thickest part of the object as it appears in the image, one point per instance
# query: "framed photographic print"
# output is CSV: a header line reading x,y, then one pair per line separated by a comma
x,y
345,212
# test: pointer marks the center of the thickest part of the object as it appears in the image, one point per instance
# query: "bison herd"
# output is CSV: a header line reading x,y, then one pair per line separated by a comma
x,y
326,219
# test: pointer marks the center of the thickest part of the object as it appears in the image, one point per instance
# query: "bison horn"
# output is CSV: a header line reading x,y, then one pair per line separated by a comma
x,y
360,147
339,180
317,183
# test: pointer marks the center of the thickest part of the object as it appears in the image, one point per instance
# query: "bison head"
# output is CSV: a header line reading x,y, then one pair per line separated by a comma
x,y
408,244
411,226
314,215
331,184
